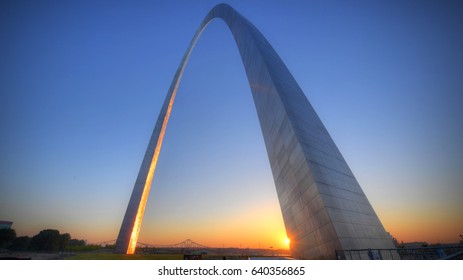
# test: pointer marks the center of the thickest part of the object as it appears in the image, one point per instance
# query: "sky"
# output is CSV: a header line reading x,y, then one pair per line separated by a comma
x,y
82,83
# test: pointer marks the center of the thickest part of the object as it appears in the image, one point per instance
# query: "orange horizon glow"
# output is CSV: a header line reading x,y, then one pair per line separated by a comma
x,y
260,227
256,231
267,234
416,223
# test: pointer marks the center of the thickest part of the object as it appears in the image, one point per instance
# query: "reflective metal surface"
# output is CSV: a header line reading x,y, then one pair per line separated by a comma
x,y
324,209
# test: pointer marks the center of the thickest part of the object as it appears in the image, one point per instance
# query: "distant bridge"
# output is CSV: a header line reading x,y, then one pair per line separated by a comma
x,y
188,243
184,244
109,242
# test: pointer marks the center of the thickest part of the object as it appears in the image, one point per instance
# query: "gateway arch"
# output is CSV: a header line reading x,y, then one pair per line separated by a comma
x,y
324,208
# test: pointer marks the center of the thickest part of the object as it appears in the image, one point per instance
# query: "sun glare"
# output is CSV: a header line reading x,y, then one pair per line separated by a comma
x,y
287,241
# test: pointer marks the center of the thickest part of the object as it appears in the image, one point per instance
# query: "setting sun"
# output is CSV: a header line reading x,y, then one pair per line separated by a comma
x,y
287,241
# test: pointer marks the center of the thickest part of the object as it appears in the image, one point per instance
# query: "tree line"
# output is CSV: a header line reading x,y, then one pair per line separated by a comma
x,y
47,240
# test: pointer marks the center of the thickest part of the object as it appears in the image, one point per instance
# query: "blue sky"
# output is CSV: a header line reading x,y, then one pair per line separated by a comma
x,y
82,82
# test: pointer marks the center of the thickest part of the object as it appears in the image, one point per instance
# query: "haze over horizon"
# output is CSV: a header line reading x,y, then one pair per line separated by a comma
x,y
82,84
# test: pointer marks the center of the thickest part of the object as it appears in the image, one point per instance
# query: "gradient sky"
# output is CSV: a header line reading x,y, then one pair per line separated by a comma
x,y
82,83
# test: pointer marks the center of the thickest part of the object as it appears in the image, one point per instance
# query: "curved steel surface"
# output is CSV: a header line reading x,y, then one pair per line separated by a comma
x,y
318,194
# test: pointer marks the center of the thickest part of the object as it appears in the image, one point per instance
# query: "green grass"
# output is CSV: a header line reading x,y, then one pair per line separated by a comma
x,y
111,256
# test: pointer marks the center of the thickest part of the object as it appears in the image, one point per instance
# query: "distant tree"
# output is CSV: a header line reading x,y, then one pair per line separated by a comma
x,y
77,242
64,241
46,240
110,246
394,240
7,235
20,243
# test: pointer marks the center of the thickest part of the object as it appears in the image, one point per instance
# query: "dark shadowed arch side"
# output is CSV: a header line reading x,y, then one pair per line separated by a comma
x,y
323,207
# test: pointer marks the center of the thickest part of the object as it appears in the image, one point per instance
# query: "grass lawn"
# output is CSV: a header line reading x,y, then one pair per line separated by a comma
x,y
111,256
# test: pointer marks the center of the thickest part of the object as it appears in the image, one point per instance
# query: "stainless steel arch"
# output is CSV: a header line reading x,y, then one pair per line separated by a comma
x,y
323,206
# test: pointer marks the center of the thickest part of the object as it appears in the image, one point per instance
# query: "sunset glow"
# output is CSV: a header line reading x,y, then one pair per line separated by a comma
x,y
287,242
81,92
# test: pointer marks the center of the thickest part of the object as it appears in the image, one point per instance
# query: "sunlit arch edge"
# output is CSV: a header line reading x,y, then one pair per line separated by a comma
x,y
288,122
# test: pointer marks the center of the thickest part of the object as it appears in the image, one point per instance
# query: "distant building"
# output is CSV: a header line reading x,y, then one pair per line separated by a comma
x,y
5,224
